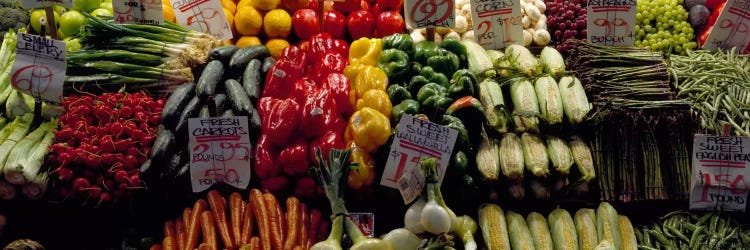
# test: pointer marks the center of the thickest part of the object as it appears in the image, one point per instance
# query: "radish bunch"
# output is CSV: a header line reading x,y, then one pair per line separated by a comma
x,y
101,144
566,20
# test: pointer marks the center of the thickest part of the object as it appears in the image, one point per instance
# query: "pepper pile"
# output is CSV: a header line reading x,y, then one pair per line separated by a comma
x,y
304,105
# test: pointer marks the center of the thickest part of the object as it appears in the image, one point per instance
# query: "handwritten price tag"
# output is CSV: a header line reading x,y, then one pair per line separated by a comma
x,y
497,23
411,183
39,68
732,28
417,138
220,151
430,13
611,23
206,16
33,4
718,173
138,11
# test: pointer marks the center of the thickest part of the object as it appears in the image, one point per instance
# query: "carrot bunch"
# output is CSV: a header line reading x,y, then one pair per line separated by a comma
x,y
257,224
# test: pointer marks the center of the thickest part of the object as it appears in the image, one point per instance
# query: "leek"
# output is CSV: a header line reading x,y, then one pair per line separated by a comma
x,y
35,188
26,158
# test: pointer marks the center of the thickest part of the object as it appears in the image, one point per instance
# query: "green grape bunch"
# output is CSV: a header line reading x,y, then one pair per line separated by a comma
x,y
662,25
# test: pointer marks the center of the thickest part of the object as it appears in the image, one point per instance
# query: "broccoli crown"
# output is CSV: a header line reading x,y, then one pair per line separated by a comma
x,y
13,19
10,3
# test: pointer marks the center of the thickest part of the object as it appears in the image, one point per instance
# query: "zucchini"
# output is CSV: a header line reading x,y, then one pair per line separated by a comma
x,y
268,63
190,111
221,103
210,78
479,61
251,80
223,53
173,166
204,113
238,98
243,56
176,102
163,144
255,121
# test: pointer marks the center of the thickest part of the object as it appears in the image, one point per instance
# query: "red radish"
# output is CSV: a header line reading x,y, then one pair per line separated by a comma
x,y
94,192
105,198
135,180
81,183
65,174
122,177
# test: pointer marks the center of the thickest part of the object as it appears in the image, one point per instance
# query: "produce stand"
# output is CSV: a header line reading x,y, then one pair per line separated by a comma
x,y
374,124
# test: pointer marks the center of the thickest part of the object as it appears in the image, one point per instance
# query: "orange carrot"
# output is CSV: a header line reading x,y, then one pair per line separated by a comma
x,y
156,247
169,243
205,246
219,210
247,222
169,229
187,214
235,212
208,226
194,225
304,224
275,218
297,248
261,214
255,243
181,232
292,222
312,231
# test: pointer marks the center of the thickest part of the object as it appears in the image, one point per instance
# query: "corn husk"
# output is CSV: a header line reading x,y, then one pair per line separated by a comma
x,y
575,102
585,220
535,154
511,156
550,101
582,157
488,159
559,154
525,104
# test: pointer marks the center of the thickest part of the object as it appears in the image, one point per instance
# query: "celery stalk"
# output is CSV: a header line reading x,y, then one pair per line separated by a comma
x,y
12,134
26,157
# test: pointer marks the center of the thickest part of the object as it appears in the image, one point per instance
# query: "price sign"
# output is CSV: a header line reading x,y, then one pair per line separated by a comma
x,y
220,151
365,222
411,183
430,13
39,68
206,16
416,138
611,22
497,23
34,4
732,28
719,166
138,11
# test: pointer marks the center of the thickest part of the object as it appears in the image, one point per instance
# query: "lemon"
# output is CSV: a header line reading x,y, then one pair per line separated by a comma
x,y
277,24
229,5
168,13
248,21
247,41
265,5
230,20
275,46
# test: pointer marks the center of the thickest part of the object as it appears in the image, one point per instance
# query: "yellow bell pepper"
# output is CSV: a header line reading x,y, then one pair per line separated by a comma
x,y
353,70
365,51
369,129
370,77
376,99
364,173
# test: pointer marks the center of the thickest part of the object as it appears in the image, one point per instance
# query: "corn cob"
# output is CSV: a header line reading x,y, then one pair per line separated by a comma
x,y
582,157
522,60
552,61
518,232
627,233
511,156
605,245
607,224
550,102
535,154
494,228
559,154
585,220
562,230
539,231
574,100
525,105
488,159
491,96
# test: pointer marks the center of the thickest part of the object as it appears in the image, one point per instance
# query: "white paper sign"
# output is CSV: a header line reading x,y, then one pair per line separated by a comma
x,y
220,151
416,138
39,68
720,164
138,11
497,23
206,16
429,13
732,28
611,22
411,184
33,4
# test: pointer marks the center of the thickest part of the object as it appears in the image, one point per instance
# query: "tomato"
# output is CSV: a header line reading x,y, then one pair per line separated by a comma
x,y
360,23
305,23
390,22
394,5
334,23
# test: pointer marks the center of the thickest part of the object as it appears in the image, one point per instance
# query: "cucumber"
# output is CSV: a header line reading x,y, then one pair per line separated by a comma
x,y
173,166
176,102
147,172
238,98
255,121
223,53
163,144
221,103
210,79
243,56
190,111
251,80
268,63
204,113
227,113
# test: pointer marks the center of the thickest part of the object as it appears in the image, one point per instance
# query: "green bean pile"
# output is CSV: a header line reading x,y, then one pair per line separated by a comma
x,y
718,86
684,230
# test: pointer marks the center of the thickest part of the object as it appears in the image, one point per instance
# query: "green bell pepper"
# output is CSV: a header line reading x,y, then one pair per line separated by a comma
x,y
445,62
402,42
434,76
407,106
395,64
455,46
424,50
459,163
416,67
462,142
462,84
433,97
416,84
398,93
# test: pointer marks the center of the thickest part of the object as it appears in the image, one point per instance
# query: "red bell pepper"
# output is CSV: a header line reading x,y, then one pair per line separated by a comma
x,y
329,62
347,6
266,155
280,79
331,139
294,158
703,37
319,44
281,120
295,54
339,87
319,114
302,88
342,47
